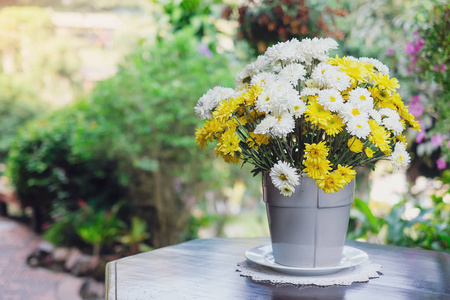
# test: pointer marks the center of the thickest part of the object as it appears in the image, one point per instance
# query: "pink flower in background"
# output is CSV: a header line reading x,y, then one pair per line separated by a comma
x,y
448,144
415,108
438,139
390,51
436,68
420,136
414,58
420,43
442,68
410,49
441,163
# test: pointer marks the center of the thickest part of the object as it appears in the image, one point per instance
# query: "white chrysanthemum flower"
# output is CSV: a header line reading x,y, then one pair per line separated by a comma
x,y
338,80
298,108
320,72
400,157
394,124
245,76
375,114
287,190
263,102
286,52
331,99
211,99
282,173
317,48
266,124
389,113
308,91
284,97
293,73
361,99
349,112
285,124
379,66
359,127
263,78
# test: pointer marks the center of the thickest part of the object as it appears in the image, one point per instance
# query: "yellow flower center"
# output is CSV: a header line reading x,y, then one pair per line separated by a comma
x,y
362,97
332,99
356,112
283,177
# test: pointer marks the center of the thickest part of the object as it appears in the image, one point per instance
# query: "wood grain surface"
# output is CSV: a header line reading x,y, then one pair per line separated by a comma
x,y
206,269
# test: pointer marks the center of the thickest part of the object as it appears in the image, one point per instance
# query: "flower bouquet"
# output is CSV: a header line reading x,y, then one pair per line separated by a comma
x,y
296,112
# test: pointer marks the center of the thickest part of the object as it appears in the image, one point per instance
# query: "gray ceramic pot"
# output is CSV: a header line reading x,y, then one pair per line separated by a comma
x,y
307,229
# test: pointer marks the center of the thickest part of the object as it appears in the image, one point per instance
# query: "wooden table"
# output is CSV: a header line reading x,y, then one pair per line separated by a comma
x,y
205,269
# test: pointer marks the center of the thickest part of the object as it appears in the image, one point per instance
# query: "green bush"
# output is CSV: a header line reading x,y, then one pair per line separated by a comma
x,y
18,104
44,168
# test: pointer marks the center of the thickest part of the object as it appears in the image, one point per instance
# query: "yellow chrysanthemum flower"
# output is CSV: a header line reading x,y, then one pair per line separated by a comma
x,y
317,169
401,138
355,145
331,183
201,137
225,109
357,70
256,140
234,159
334,125
379,137
346,172
384,82
252,94
316,152
228,143
369,152
317,114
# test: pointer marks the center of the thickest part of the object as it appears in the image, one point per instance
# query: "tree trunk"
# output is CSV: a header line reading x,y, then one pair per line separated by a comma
x,y
156,202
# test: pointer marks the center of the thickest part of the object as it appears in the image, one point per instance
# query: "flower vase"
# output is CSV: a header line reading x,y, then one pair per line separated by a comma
x,y
308,228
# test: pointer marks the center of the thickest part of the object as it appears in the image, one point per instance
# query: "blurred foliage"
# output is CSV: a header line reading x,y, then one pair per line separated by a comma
x,y
18,104
429,53
31,52
430,229
45,169
97,231
265,23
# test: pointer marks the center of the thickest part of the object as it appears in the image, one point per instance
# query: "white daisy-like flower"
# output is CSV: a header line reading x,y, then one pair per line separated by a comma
x,y
349,112
389,113
400,157
242,78
282,173
298,108
361,99
331,99
263,78
317,48
266,124
211,99
379,66
284,97
359,127
309,91
338,80
285,124
392,121
287,190
293,73
320,72
286,52
263,102
375,114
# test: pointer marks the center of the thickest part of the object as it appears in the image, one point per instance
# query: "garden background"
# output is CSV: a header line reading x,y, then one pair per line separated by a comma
x,y
97,145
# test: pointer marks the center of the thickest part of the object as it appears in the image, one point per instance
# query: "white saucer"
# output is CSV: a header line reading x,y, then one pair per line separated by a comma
x,y
262,255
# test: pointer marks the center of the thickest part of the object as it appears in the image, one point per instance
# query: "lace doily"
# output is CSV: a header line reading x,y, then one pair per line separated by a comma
x,y
359,273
